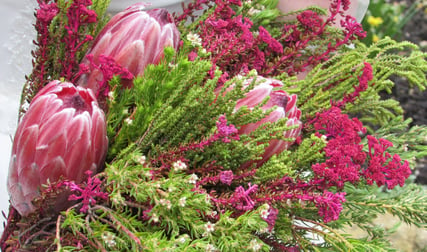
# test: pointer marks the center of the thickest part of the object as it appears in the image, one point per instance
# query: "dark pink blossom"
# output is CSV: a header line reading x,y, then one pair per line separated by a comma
x,y
108,68
344,151
241,199
383,168
265,36
226,177
330,205
88,192
78,16
364,80
46,12
271,218
226,132
192,56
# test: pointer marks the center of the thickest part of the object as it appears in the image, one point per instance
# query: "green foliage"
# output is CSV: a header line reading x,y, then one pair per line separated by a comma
x,y
176,215
58,31
331,80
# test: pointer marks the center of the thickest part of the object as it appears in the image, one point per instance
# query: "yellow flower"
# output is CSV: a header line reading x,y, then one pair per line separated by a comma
x,y
375,38
375,21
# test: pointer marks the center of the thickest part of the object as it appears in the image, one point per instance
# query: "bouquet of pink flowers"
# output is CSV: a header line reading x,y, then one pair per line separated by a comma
x,y
234,126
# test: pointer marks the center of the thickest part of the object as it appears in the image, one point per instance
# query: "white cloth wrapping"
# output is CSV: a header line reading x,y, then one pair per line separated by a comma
x,y
17,33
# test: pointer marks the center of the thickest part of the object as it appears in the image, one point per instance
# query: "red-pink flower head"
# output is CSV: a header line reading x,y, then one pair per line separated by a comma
x,y
134,38
285,107
63,134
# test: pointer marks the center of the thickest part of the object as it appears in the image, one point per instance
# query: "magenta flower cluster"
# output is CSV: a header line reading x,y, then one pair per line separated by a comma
x,y
346,159
236,46
87,193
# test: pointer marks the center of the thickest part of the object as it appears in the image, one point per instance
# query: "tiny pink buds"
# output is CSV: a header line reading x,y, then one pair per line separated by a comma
x,y
285,107
134,38
63,134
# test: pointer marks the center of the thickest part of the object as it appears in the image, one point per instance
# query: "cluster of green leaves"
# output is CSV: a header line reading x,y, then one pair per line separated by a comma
x,y
49,57
332,80
58,31
175,103
178,215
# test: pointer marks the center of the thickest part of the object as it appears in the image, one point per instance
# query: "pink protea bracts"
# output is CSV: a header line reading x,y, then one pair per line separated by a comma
x,y
285,107
134,38
63,134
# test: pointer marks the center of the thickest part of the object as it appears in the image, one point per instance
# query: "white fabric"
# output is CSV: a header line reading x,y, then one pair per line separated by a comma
x,y
16,38
171,5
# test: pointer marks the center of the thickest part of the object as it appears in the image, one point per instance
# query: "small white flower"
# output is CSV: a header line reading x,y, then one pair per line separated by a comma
x,y
182,201
125,111
264,231
183,238
155,218
128,121
179,166
324,138
193,179
265,213
173,66
212,213
255,245
166,203
252,11
194,39
109,239
171,189
203,51
208,199
111,96
142,159
405,147
210,227
210,248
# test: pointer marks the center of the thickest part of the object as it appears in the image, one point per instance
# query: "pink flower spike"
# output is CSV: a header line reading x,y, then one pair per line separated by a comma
x,y
63,134
133,38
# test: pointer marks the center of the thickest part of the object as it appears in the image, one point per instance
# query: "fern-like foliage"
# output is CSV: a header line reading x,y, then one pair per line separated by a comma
x,y
338,76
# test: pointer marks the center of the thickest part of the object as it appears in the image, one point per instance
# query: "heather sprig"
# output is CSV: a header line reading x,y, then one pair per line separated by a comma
x,y
88,192
64,30
236,44
349,68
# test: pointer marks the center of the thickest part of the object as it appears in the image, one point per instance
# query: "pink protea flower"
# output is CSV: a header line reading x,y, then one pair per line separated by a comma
x,y
134,38
63,134
286,107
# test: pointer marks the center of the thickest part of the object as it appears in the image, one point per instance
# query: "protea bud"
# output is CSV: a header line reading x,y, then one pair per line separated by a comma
x,y
285,107
134,38
63,134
